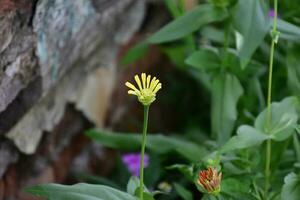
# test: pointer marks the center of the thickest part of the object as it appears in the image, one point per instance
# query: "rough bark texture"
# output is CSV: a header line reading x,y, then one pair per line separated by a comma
x,y
57,69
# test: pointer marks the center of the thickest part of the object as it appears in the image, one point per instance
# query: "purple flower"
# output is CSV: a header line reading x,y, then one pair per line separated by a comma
x,y
271,13
132,161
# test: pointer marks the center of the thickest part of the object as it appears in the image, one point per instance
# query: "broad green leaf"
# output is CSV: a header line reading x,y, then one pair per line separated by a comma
x,y
226,90
157,143
284,26
188,23
133,188
99,180
204,59
80,191
252,22
148,196
135,53
214,34
133,185
291,187
246,137
183,192
283,119
288,31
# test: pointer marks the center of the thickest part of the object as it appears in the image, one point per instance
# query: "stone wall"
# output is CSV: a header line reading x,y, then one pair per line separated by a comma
x,y
57,72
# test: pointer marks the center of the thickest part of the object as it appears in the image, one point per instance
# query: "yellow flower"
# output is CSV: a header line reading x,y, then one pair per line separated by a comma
x,y
147,88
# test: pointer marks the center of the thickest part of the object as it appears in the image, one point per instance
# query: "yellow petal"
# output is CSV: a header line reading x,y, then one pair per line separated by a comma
x,y
131,86
158,87
152,82
153,86
144,80
132,92
148,81
137,80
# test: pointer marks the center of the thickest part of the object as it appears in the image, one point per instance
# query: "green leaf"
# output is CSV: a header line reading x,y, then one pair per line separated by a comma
x,y
291,187
288,31
204,59
148,196
99,180
214,34
252,22
232,186
226,90
135,53
133,185
186,170
293,66
183,193
80,191
157,143
283,119
188,23
246,137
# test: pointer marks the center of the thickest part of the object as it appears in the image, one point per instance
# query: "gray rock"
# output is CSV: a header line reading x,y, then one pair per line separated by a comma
x,y
46,65
8,155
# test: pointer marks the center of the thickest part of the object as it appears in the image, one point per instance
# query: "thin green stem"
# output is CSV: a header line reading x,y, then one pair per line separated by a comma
x,y
146,112
267,169
269,110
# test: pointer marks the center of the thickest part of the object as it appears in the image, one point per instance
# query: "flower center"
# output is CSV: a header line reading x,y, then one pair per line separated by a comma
x,y
147,96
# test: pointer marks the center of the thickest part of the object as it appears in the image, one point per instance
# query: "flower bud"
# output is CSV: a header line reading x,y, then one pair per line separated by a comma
x,y
210,180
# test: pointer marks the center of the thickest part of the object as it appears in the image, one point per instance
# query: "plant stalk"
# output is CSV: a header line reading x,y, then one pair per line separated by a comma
x,y
146,112
269,111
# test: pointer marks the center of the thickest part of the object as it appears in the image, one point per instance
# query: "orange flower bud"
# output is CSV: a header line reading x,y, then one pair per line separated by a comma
x,y
210,180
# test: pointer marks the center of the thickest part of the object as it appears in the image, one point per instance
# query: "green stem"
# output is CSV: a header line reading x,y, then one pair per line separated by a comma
x,y
269,111
146,112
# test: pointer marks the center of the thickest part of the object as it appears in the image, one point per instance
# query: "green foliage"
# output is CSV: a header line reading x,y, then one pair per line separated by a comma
x,y
183,193
288,31
247,137
293,66
291,187
78,192
204,59
200,16
252,22
133,185
283,119
157,143
226,90
282,126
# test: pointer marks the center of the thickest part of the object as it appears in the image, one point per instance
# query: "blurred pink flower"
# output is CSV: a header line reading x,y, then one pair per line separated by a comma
x,y
132,161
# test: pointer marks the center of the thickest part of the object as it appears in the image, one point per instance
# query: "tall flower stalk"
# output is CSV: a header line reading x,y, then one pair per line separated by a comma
x,y
275,35
146,94
146,112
